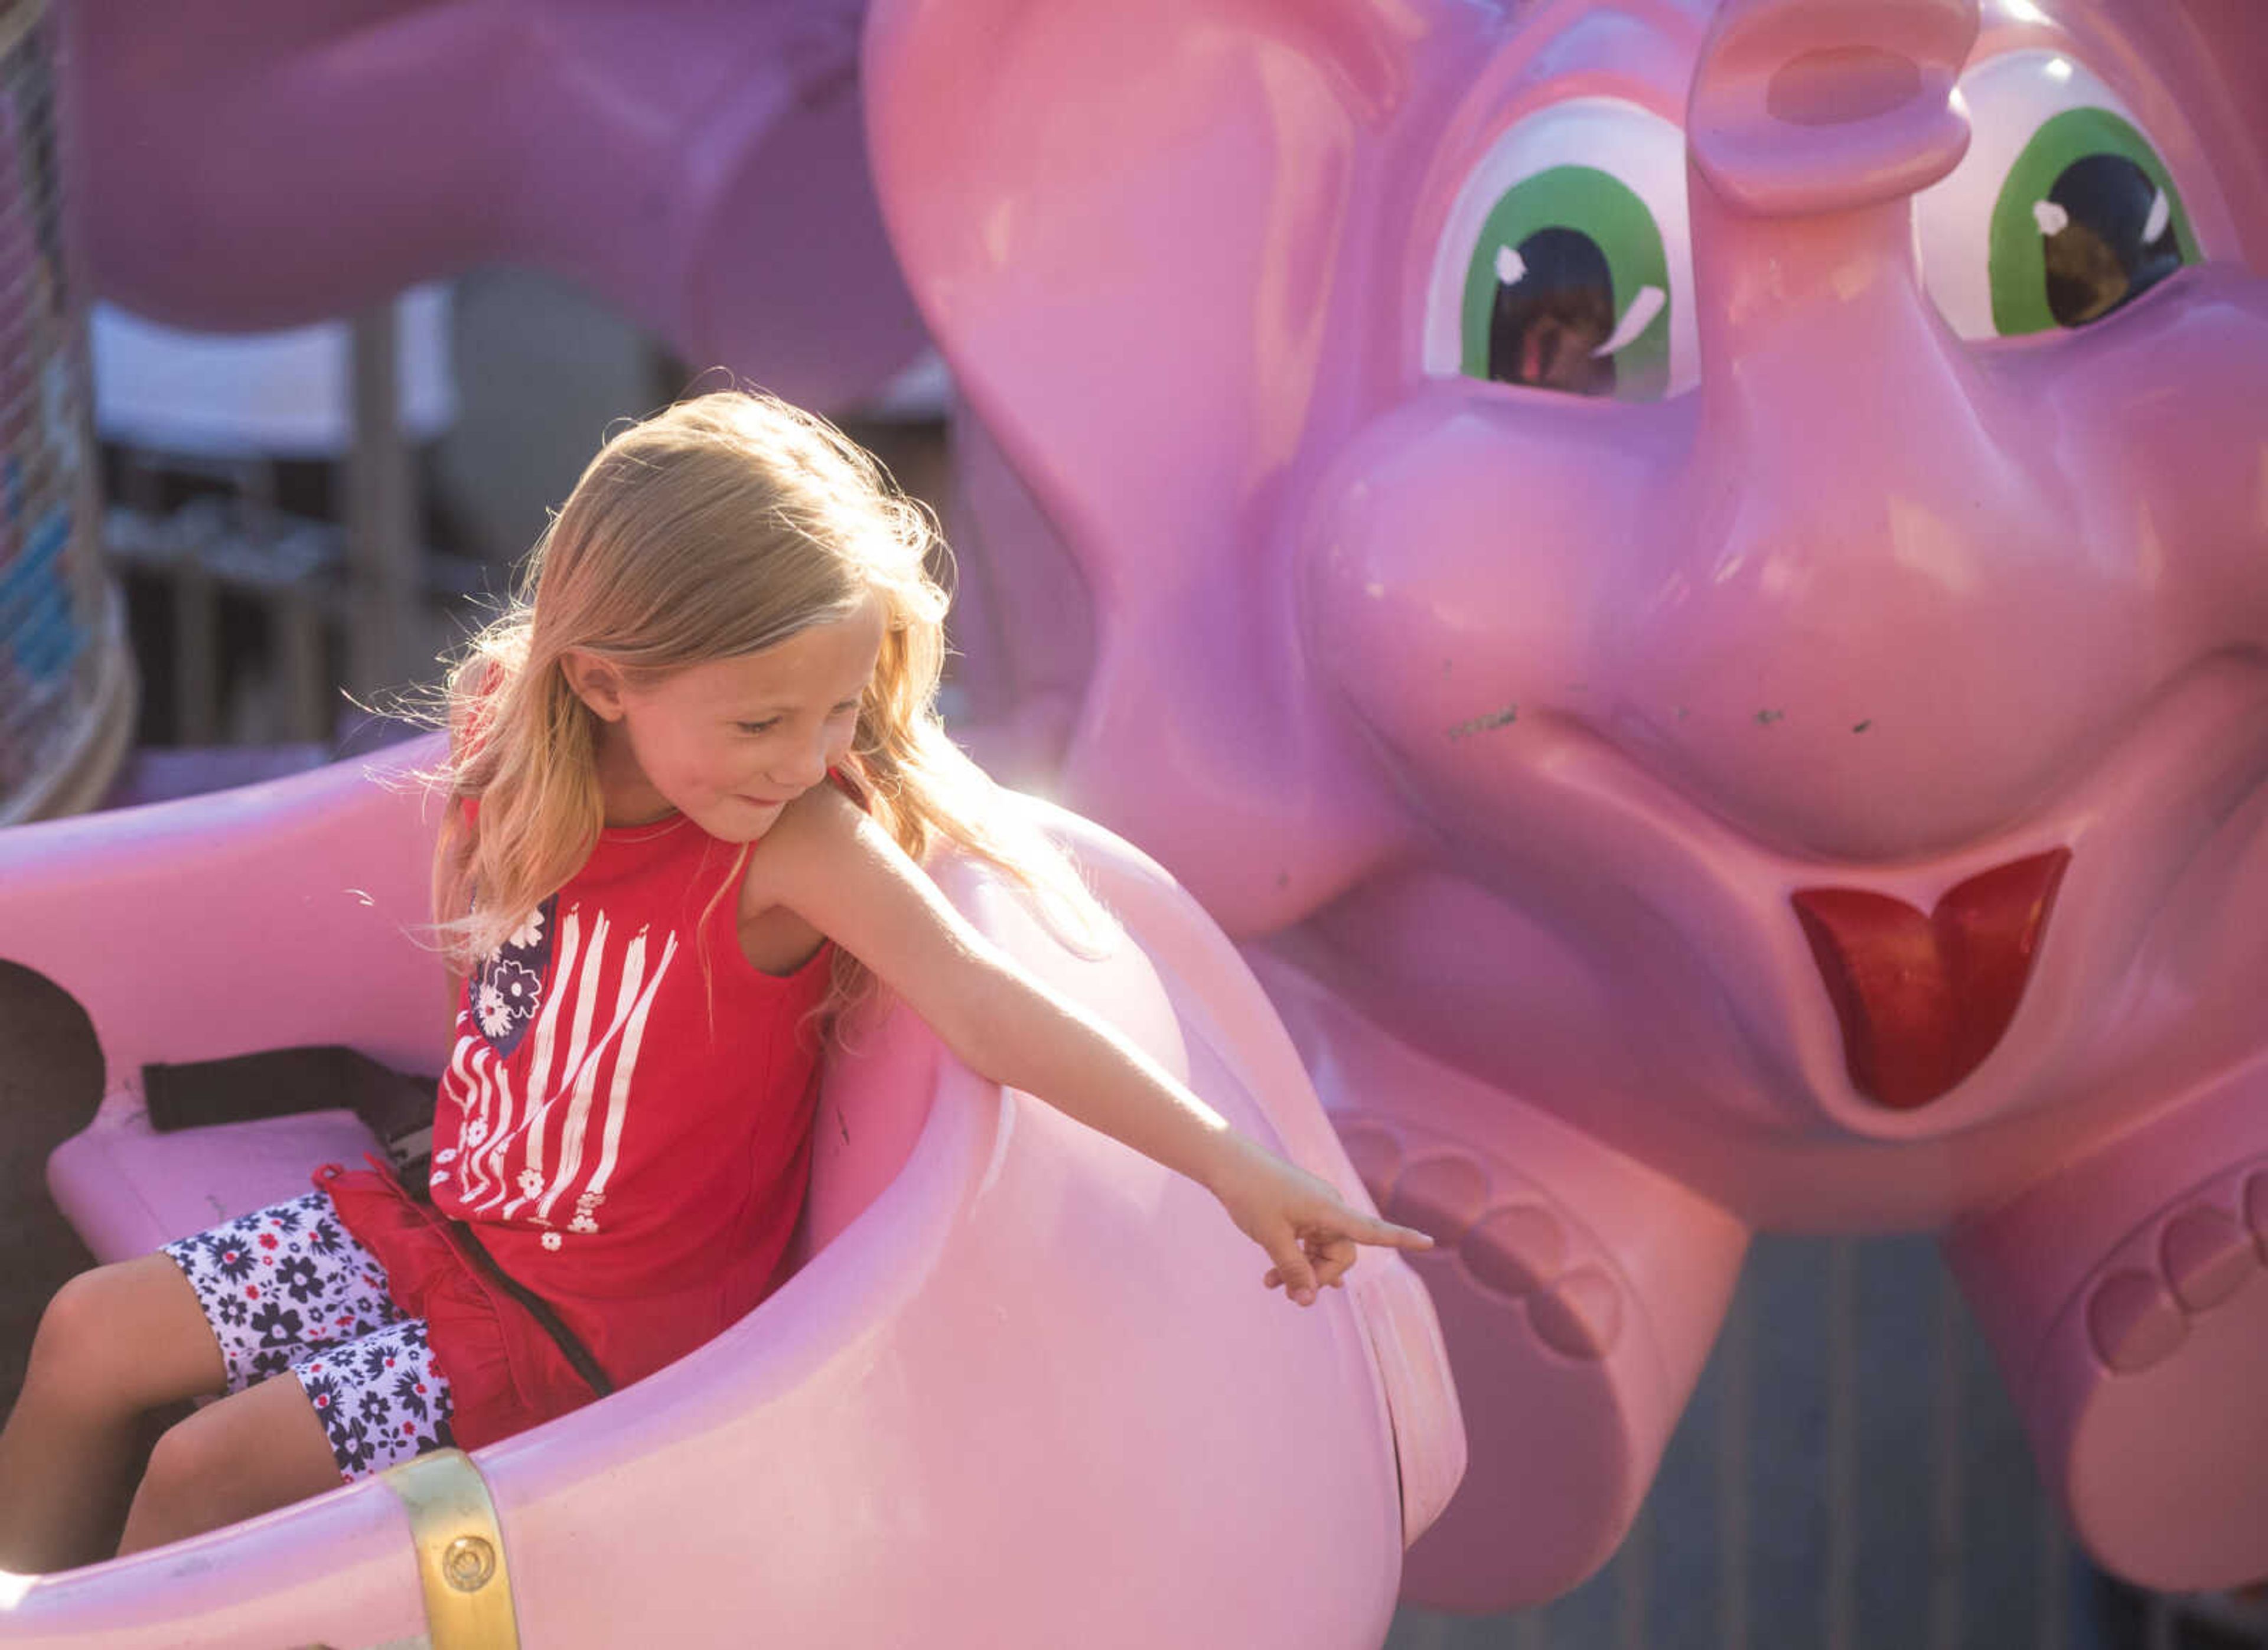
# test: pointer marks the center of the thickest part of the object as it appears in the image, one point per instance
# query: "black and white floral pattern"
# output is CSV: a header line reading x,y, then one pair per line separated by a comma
x,y
288,1288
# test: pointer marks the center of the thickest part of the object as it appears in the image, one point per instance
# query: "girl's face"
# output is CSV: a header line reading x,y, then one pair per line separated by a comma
x,y
732,742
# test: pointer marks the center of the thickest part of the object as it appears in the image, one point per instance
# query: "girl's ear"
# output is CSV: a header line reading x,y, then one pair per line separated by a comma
x,y
595,682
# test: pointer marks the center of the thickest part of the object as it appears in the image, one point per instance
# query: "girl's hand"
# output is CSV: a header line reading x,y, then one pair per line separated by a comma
x,y
1299,1218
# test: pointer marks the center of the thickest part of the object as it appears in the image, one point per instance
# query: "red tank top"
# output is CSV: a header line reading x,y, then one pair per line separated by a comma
x,y
628,1131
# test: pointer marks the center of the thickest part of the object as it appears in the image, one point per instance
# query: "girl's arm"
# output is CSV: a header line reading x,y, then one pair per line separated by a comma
x,y
832,866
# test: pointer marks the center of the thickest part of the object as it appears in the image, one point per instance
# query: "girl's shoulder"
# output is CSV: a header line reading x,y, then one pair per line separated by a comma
x,y
807,839
803,844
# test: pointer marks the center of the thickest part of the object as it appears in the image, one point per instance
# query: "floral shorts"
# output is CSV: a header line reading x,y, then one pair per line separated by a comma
x,y
288,1288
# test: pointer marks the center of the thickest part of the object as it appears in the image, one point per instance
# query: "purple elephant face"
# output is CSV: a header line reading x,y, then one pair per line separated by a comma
x,y
1693,579
1707,565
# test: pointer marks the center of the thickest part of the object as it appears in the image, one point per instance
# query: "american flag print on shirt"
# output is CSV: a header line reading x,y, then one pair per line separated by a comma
x,y
540,1138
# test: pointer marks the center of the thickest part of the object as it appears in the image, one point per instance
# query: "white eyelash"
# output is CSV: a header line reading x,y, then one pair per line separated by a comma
x,y
1635,320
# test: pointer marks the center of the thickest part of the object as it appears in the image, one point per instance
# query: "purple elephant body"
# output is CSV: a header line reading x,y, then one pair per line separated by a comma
x,y
1692,578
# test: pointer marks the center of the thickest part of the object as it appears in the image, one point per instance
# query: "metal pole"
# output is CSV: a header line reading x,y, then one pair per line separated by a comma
x,y
1840,1602
382,535
1735,1409
1946,1486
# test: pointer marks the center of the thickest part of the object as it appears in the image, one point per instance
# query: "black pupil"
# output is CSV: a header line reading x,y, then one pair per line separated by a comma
x,y
1546,324
2099,259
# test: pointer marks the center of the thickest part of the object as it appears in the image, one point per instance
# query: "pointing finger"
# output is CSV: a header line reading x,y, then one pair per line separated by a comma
x,y
1365,1229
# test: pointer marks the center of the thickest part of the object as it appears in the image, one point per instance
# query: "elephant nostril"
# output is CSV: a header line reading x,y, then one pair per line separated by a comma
x,y
1799,107
1837,84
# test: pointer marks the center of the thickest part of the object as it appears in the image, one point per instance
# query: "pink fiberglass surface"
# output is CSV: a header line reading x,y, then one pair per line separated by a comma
x,y
1691,579
1025,1388
699,163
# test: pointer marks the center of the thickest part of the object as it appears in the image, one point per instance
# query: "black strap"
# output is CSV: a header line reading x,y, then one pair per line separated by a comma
x,y
538,1308
277,1082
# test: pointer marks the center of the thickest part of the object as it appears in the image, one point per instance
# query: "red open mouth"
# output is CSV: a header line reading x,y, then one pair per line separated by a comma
x,y
1923,998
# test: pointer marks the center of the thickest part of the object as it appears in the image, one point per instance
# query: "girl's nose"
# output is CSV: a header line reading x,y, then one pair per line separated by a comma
x,y
803,766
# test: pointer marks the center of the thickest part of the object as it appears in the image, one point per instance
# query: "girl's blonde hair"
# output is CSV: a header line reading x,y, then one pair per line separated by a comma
x,y
720,526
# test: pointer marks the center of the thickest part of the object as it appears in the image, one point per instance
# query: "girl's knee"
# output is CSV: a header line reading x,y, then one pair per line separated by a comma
x,y
187,1488
114,1338
77,1350
186,1465
247,1454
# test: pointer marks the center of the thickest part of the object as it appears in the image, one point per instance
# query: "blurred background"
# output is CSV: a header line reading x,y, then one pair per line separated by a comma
x,y
302,523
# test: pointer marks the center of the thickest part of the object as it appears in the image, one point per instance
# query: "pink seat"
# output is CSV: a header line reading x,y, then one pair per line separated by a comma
x,y
125,1188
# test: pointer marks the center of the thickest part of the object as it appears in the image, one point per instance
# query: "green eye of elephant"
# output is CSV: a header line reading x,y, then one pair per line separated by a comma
x,y
1568,289
2087,221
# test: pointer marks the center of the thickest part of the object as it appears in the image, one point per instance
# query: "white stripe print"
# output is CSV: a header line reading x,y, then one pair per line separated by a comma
x,y
489,1102
564,984
570,1160
580,1071
493,1155
479,1134
618,1103
473,1074
569,936
567,983
457,1085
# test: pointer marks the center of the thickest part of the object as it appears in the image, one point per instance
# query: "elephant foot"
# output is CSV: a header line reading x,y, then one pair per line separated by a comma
x,y
2161,1371
1560,1364
2125,1300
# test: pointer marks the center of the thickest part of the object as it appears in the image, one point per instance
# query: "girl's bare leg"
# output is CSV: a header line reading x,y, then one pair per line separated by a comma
x,y
114,1343
259,1449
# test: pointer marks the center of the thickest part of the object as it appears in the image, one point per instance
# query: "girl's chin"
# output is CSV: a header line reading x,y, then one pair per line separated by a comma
x,y
741,819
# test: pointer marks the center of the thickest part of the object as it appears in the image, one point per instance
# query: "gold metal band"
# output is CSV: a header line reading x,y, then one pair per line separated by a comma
x,y
460,1552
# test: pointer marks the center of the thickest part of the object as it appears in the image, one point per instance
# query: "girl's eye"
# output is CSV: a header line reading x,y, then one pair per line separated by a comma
x,y
758,727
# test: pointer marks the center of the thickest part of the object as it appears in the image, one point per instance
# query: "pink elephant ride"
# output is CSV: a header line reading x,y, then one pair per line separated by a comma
x,y
1022,1388
1690,579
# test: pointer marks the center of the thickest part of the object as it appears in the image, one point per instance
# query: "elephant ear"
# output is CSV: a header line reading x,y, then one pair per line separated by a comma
x,y
1124,224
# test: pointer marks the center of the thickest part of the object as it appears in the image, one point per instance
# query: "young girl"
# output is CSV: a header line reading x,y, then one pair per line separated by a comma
x,y
693,777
